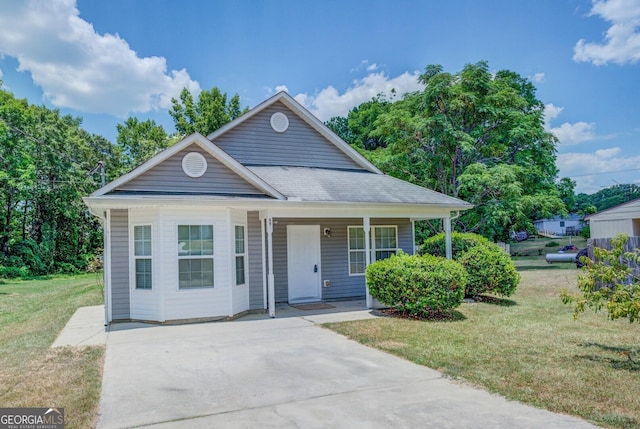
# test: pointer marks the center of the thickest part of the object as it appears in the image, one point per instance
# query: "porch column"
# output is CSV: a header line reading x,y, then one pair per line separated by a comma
x,y
447,235
271,289
366,226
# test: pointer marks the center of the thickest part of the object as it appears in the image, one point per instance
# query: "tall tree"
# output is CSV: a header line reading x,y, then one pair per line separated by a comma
x,y
45,159
566,190
140,140
212,110
462,120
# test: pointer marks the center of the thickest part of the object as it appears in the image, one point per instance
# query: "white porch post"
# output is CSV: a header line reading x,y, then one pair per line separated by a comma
x,y
366,225
447,234
270,278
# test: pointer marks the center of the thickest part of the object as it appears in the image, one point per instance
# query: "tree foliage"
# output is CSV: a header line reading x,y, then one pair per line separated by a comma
x,y
45,158
212,110
457,133
609,282
140,140
607,197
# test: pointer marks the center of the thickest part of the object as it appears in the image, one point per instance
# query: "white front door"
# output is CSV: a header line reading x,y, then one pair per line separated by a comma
x,y
303,263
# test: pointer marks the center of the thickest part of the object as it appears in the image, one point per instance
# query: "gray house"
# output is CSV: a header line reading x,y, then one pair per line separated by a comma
x,y
273,207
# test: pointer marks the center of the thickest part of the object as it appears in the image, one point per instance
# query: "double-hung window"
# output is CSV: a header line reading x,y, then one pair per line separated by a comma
x,y
385,241
142,256
195,256
240,254
383,245
357,252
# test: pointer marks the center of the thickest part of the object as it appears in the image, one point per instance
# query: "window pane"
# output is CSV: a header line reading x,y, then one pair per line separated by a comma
x,y
195,240
384,254
240,270
195,273
356,238
239,239
183,232
357,262
385,237
142,240
143,273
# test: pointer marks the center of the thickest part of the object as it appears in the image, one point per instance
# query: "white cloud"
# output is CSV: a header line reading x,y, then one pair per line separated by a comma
x,y
81,69
576,133
550,113
583,165
328,102
621,42
372,67
568,134
538,77
280,88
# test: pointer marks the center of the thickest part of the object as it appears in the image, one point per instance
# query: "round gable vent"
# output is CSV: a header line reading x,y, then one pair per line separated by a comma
x,y
279,122
194,164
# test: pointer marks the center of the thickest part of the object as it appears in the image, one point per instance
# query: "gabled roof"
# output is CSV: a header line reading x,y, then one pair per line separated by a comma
x,y
307,117
335,186
621,211
207,146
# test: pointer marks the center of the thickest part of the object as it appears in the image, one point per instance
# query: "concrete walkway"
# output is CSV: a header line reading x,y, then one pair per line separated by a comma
x,y
85,328
286,372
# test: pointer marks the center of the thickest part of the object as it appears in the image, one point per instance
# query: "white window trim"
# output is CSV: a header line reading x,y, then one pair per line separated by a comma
x,y
179,257
372,247
132,244
349,251
373,241
244,255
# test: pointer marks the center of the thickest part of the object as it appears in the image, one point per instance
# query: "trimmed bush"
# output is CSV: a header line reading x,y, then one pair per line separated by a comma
x,y
552,244
489,269
460,243
417,285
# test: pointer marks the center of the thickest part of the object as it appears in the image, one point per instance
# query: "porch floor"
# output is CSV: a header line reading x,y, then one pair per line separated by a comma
x,y
342,311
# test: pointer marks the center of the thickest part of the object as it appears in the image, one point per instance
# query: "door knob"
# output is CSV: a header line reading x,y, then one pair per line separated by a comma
x,y
315,268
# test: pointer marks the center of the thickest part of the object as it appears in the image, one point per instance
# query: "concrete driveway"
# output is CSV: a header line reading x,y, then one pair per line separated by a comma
x,y
286,373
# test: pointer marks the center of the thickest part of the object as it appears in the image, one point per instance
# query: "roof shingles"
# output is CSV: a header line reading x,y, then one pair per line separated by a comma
x,y
326,185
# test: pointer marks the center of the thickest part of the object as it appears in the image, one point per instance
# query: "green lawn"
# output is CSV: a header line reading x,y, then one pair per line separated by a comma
x,y
527,348
32,314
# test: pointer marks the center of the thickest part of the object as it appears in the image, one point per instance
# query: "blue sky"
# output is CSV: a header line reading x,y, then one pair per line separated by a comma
x,y
107,60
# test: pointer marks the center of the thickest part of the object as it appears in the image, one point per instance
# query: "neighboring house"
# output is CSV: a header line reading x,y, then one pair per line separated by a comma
x,y
559,225
272,207
623,218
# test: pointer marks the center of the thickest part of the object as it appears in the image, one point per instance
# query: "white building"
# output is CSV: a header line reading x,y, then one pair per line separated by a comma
x,y
623,218
560,226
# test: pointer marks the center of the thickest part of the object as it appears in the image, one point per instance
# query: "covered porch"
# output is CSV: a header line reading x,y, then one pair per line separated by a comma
x,y
321,255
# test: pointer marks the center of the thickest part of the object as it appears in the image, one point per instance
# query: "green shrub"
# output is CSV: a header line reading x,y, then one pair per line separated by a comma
x,y
585,232
489,269
417,285
552,244
13,272
460,243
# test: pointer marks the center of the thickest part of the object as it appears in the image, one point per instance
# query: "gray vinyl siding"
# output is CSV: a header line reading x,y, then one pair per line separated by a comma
x,y
168,177
334,255
254,253
254,142
120,305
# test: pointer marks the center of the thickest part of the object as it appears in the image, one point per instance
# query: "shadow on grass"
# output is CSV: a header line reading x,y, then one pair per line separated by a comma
x,y
434,316
502,302
624,358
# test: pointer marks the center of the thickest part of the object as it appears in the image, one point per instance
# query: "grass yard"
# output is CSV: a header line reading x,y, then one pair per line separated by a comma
x,y
527,348
32,314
